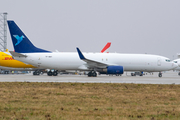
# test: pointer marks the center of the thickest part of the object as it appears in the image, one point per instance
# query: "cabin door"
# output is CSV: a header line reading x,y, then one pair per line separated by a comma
x,y
159,61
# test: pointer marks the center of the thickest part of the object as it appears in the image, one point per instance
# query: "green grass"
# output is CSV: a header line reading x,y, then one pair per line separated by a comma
x,y
87,101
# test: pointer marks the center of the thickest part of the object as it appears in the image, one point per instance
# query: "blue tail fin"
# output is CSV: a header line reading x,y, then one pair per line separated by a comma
x,y
20,42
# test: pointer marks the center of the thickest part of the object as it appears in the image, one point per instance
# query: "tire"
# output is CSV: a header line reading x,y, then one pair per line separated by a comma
x,y
34,73
55,73
160,74
90,74
38,73
94,74
49,73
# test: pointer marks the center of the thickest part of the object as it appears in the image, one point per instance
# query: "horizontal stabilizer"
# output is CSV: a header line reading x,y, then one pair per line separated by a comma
x,y
15,54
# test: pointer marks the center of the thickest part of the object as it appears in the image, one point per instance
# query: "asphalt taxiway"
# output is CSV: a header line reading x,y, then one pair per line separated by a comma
x,y
167,78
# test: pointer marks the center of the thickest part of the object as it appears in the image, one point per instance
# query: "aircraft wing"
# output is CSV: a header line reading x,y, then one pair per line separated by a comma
x,y
92,63
15,54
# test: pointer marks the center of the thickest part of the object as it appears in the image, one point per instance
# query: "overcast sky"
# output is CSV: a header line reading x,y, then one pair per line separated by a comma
x,y
132,26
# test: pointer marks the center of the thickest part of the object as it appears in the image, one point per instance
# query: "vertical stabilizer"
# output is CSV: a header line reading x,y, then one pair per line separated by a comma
x,y
106,47
20,42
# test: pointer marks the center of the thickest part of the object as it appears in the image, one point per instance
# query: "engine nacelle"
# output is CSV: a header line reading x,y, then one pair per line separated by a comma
x,y
113,70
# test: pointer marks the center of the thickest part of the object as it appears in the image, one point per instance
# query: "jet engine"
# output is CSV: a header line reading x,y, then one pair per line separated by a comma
x,y
113,70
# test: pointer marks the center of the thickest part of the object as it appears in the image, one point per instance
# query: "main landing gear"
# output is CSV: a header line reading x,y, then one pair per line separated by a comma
x,y
52,73
160,74
92,74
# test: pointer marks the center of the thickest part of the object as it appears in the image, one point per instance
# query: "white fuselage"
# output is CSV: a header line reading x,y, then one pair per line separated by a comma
x,y
71,61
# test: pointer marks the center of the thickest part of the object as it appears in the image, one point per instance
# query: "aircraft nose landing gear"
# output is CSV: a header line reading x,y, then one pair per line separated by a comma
x,y
160,74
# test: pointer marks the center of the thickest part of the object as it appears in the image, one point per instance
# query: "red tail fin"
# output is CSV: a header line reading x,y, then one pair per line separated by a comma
x,y
106,47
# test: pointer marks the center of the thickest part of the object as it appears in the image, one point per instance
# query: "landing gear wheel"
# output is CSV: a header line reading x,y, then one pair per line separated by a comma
x,y
141,74
55,73
179,73
37,72
34,73
133,74
160,75
92,74
49,73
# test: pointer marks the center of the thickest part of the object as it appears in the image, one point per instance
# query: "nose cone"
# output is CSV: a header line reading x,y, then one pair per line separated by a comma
x,y
178,64
175,65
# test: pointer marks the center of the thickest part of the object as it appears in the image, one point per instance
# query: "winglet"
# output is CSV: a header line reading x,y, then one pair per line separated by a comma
x,y
80,54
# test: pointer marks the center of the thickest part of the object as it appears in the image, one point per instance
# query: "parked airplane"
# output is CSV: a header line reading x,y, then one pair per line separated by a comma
x,y
6,60
178,62
8,63
111,63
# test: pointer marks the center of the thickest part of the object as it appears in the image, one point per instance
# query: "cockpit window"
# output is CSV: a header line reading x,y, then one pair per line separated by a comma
x,y
168,60
175,61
